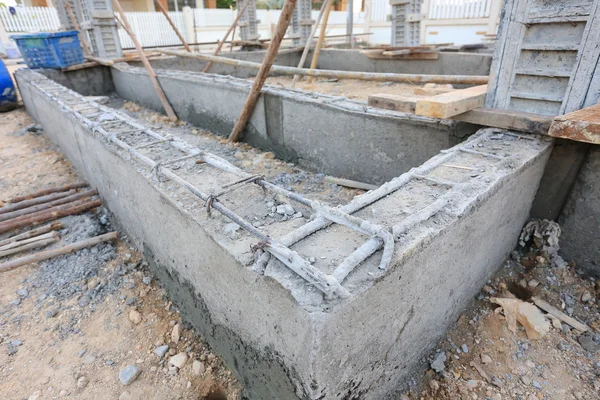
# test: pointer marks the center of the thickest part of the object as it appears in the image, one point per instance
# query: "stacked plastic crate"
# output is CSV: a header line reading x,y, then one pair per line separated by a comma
x,y
98,25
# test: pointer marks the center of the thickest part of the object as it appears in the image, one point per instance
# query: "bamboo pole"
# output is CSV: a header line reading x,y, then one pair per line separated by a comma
x,y
44,206
44,192
232,27
162,10
86,48
263,73
365,76
32,245
44,255
161,94
315,58
308,43
48,215
32,233
29,240
35,201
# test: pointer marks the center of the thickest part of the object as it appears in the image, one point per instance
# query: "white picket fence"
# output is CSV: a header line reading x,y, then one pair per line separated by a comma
x,y
459,9
30,19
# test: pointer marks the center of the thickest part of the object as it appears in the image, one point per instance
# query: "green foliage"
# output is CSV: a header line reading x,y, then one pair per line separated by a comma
x,y
225,3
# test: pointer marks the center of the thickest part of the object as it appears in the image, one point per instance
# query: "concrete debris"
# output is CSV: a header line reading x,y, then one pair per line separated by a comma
x,y
129,374
178,360
161,350
176,333
541,234
82,382
533,320
587,342
486,359
438,363
230,230
198,367
586,296
285,209
135,316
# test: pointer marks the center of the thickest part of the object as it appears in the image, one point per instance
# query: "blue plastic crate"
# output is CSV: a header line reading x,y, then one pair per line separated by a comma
x,y
50,50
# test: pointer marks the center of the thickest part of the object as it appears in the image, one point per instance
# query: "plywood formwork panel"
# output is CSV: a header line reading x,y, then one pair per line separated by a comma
x,y
546,56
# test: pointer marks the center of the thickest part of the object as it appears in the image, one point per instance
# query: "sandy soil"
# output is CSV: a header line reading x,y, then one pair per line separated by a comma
x,y
350,88
58,346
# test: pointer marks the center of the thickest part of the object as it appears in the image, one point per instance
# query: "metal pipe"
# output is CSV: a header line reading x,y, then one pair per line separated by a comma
x,y
367,76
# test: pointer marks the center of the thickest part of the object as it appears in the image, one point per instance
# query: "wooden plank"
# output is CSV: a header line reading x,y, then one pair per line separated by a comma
x,y
450,104
582,125
559,314
404,104
507,119
433,91
85,65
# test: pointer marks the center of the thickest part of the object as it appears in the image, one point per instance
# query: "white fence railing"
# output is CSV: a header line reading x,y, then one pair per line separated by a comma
x,y
459,9
152,29
30,19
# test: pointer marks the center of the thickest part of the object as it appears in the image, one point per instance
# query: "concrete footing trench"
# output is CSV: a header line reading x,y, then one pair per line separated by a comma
x,y
303,299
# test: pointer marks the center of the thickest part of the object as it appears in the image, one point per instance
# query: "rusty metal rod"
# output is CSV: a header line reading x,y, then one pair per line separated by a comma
x,y
32,233
48,215
44,255
44,192
45,206
324,73
35,201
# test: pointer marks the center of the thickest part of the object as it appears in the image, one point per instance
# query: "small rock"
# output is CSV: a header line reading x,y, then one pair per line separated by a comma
x,y
83,301
22,293
230,230
434,385
82,382
536,385
472,384
129,374
35,395
587,343
161,350
51,313
135,316
586,296
533,283
176,333
285,209
526,380
530,364
578,395
63,393
147,280
464,348
497,382
198,367
438,362
178,360
125,396
89,359
486,359
523,283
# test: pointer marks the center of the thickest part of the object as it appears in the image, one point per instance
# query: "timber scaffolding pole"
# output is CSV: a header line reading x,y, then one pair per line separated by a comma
x,y
323,73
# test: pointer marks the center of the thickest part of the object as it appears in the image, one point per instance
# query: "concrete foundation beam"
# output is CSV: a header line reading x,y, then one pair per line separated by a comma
x,y
580,218
454,219
319,132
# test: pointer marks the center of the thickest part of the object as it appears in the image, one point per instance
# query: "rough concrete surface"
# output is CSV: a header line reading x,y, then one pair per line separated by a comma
x,y
362,346
580,219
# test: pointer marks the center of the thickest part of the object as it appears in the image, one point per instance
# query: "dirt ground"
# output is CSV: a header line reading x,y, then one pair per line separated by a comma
x,y
72,341
350,88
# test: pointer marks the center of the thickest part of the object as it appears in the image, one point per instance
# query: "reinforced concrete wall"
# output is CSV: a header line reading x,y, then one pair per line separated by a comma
x,y
580,218
448,63
327,134
451,227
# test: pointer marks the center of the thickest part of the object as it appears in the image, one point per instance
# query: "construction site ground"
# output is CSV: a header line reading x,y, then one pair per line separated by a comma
x,y
353,89
69,325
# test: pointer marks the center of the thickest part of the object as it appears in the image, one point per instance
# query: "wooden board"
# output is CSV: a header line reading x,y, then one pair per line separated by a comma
x,y
404,104
76,67
425,91
582,125
450,104
506,119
